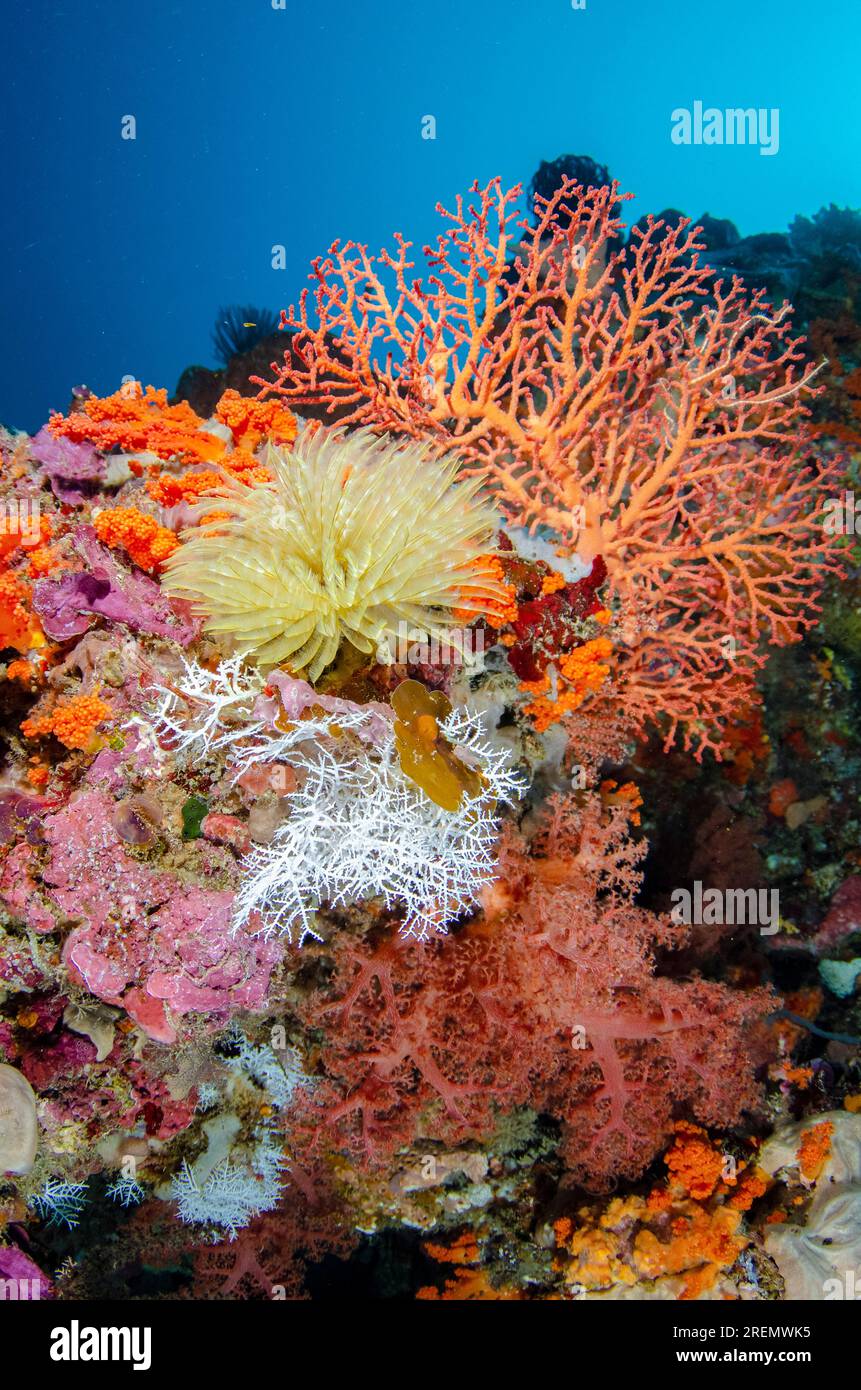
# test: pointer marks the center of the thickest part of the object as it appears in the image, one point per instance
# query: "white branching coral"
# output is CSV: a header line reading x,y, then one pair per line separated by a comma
x,y
354,535
278,1073
126,1190
230,1195
60,1203
219,703
358,827
208,1096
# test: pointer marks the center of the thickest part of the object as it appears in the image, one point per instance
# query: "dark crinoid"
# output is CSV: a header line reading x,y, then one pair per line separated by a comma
x,y
550,174
239,328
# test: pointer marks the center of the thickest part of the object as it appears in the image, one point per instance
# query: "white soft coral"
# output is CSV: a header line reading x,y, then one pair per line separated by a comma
x,y
203,711
230,1195
358,827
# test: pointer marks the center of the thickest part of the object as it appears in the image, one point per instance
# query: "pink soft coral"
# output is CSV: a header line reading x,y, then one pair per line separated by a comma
x,y
550,1000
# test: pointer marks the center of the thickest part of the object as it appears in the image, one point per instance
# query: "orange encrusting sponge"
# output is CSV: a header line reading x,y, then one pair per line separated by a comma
x,y
143,538
583,670
73,723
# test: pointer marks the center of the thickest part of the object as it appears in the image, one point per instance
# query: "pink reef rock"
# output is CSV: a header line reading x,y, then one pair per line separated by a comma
x,y
48,1065
106,589
31,1282
20,814
91,875
18,970
147,942
19,891
295,696
74,470
843,917
200,965
114,768
226,830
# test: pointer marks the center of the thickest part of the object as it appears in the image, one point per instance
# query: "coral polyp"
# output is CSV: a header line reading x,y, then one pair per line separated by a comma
x,y
354,536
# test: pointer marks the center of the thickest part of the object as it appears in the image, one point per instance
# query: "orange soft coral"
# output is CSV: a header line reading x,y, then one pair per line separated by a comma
x,y
582,670
685,1235
251,420
815,1149
552,583
694,1162
169,490
469,1282
38,774
21,670
73,722
44,560
18,627
749,1187
627,796
139,421
702,1243
145,541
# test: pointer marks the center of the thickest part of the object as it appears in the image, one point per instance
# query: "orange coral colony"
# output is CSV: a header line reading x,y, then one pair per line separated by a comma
x,y
580,672
144,540
73,723
138,420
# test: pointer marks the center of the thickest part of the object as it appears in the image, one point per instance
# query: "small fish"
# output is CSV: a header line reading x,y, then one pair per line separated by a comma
x,y
249,325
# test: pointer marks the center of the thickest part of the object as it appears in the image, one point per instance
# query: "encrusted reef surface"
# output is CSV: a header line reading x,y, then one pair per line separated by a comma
x,y
429,813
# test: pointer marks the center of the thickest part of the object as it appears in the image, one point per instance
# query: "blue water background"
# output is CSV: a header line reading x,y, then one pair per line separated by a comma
x,y
258,125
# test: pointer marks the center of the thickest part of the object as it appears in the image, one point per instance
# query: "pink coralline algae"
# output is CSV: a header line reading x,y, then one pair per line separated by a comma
x,y
75,470
18,970
106,589
149,943
19,889
200,966
89,873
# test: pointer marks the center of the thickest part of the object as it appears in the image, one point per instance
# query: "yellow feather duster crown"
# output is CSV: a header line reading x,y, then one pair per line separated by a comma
x,y
355,535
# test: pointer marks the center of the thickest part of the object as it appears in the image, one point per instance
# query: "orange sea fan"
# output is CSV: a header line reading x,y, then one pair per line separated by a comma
x,y
619,396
